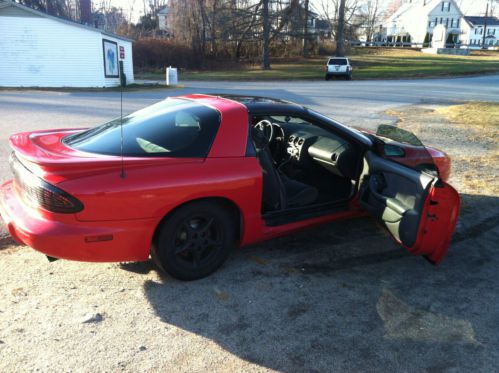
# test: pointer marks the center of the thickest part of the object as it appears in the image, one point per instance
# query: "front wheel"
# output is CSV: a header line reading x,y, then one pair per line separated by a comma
x,y
194,241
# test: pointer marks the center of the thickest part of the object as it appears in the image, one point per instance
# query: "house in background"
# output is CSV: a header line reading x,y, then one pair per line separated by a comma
x,y
41,50
289,21
474,28
163,18
416,19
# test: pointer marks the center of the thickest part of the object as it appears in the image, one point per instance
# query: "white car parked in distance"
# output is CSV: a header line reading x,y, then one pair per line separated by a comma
x,y
338,66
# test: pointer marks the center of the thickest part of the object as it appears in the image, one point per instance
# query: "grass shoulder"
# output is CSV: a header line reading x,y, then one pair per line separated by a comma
x,y
478,114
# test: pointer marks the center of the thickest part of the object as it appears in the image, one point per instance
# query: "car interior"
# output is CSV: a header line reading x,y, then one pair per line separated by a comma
x,y
303,164
308,170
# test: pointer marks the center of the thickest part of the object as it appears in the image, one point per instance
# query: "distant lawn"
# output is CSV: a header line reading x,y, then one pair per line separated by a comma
x,y
368,63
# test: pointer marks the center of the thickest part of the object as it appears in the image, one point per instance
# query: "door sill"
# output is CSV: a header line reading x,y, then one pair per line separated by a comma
x,y
296,214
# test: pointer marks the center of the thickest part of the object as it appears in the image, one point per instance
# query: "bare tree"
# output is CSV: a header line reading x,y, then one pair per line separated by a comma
x,y
305,29
204,22
329,10
340,40
59,8
249,27
266,35
372,17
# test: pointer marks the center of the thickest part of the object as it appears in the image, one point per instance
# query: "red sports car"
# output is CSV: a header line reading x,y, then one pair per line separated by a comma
x,y
186,179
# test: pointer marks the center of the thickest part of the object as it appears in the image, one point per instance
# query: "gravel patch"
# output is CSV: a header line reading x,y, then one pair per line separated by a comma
x,y
339,297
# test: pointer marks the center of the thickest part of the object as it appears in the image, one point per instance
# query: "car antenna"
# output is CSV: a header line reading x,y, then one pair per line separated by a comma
x,y
122,172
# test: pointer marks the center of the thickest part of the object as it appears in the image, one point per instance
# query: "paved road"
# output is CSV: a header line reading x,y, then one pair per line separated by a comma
x,y
358,103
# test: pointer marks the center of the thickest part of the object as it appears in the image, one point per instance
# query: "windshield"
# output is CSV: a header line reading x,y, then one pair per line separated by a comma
x,y
170,128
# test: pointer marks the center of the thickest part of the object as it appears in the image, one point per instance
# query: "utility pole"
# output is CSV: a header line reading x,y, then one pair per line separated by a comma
x,y
485,26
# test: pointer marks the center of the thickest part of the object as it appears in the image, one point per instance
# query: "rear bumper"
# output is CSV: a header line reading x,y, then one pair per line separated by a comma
x,y
339,73
66,239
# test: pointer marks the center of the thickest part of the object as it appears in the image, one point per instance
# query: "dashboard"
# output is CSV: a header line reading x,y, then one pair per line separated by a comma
x,y
306,143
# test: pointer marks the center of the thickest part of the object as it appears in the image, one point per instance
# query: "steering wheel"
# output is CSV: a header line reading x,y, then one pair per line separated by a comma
x,y
266,132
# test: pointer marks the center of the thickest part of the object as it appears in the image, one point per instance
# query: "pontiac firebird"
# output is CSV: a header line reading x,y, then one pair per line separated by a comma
x,y
187,179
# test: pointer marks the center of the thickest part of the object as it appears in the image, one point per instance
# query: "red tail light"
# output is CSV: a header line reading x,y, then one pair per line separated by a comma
x,y
38,193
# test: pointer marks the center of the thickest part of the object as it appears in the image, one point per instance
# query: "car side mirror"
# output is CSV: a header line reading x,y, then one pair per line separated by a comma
x,y
393,151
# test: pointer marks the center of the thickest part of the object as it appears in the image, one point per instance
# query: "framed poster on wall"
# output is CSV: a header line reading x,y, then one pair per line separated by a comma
x,y
110,49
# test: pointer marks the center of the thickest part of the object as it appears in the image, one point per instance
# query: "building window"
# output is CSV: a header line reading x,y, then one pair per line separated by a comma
x,y
446,6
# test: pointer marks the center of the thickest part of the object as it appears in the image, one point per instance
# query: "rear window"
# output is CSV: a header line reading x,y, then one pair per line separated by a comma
x,y
337,61
170,128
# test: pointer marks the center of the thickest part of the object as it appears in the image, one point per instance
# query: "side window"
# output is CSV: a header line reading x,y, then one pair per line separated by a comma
x,y
171,128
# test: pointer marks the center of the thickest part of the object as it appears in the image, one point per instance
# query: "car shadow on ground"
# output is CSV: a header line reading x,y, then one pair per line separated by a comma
x,y
6,241
343,296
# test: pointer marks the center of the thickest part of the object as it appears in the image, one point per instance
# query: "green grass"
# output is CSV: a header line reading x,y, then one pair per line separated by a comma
x,y
368,63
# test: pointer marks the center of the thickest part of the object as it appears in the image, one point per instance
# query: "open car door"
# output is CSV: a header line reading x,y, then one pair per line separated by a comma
x,y
417,208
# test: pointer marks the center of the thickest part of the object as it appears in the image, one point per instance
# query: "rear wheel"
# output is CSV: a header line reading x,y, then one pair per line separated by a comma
x,y
194,241
349,77
327,77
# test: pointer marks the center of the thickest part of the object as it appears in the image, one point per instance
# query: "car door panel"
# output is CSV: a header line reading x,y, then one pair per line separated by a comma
x,y
395,195
406,201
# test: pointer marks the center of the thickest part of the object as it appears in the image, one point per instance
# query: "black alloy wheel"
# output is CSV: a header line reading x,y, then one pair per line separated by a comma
x,y
194,241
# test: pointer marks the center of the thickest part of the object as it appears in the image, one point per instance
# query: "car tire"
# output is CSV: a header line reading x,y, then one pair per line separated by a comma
x,y
349,77
194,241
328,77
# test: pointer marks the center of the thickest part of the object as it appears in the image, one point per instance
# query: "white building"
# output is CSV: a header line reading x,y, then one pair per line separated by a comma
x,y
474,28
39,50
417,18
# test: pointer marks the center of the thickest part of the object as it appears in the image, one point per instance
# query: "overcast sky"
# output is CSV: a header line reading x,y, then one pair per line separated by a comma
x,y
468,7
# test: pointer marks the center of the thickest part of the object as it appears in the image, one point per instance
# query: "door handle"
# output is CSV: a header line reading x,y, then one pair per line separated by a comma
x,y
375,185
